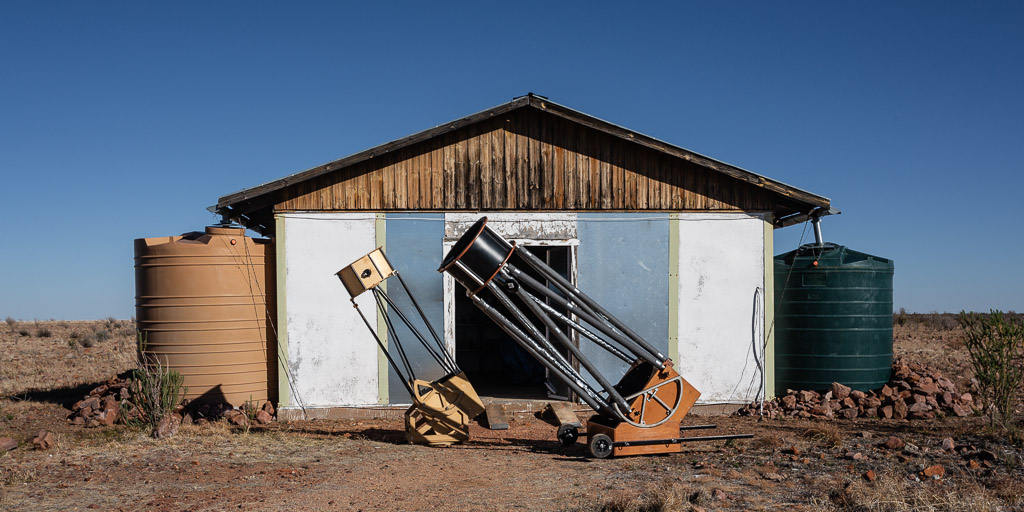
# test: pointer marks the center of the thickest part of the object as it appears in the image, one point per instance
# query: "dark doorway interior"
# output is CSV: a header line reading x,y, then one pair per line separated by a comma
x,y
495,364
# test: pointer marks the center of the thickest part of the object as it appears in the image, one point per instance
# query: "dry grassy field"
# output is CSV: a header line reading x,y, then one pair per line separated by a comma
x,y
799,464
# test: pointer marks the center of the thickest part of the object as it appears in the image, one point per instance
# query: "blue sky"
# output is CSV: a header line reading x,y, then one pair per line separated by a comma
x,y
121,120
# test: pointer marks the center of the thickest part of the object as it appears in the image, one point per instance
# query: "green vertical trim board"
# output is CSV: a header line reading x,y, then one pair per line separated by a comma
x,y
673,287
769,307
380,230
284,390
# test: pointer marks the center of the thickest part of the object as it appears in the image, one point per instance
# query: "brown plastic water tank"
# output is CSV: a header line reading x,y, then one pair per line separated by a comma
x,y
201,302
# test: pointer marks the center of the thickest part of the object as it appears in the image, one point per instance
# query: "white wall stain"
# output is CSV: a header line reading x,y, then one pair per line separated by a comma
x,y
332,354
720,265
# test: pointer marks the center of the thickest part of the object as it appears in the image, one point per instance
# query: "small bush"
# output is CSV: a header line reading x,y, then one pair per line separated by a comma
x,y
44,332
12,323
101,335
901,317
87,340
24,332
155,390
996,347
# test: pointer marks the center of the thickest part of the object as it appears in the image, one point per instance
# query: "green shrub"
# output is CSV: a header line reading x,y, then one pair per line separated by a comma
x,y
155,390
996,347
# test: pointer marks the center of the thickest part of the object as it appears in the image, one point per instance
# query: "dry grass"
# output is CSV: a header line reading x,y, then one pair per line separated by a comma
x,y
825,434
55,355
893,492
653,498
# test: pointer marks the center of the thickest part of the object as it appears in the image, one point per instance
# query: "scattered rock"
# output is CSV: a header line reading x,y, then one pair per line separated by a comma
x,y
935,471
7,444
236,417
719,494
899,410
960,411
43,440
915,392
869,475
839,391
894,443
948,445
263,417
911,449
774,477
167,427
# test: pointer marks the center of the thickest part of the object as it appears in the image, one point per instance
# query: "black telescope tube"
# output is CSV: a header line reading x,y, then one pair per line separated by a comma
x,y
529,300
585,332
541,267
607,330
587,395
531,330
480,251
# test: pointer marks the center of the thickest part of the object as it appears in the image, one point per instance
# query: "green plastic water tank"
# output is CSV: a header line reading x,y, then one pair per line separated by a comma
x,y
833,318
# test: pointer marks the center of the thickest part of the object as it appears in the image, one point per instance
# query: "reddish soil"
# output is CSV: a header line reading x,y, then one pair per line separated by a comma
x,y
366,465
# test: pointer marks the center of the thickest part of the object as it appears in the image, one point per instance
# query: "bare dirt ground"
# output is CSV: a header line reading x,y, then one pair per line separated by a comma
x,y
366,465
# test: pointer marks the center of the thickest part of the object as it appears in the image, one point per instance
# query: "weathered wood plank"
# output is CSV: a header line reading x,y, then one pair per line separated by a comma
x,y
495,415
498,165
548,168
473,181
449,171
583,167
436,174
560,413
607,180
423,164
522,159
570,161
387,166
461,171
509,164
533,163
486,181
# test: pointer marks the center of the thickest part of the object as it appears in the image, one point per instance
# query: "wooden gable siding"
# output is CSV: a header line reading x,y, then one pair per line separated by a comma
x,y
524,160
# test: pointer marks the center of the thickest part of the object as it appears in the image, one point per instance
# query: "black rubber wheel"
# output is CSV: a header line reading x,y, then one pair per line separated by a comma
x,y
568,434
600,446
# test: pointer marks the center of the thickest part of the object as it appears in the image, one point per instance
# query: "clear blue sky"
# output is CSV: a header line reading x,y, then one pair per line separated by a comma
x,y
121,120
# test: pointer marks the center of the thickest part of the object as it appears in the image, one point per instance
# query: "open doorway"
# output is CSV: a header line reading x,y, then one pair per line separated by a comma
x,y
495,364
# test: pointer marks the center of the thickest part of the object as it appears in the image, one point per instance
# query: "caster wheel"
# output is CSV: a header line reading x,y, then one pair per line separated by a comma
x,y
600,446
568,435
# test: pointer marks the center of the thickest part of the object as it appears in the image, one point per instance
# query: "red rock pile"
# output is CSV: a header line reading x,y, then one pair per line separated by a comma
x,y
102,406
108,404
914,392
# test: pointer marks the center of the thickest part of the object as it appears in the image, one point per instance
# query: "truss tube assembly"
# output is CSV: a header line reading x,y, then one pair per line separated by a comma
x,y
479,261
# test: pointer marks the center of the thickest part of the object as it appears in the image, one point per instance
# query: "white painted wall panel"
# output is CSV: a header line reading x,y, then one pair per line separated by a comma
x,y
721,304
332,357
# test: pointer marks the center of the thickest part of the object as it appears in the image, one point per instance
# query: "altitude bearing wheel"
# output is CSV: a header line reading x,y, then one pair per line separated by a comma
x,y
568,435
600,446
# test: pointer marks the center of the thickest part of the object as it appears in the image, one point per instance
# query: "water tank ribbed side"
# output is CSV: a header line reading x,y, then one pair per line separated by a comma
x,y
202,306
